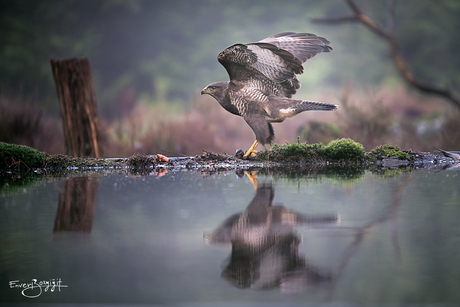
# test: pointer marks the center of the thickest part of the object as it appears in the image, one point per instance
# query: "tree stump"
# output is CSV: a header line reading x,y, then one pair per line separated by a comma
x,y
77,100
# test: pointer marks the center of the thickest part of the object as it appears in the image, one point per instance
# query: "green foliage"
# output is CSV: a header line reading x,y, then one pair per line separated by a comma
x,y
391,151
20,157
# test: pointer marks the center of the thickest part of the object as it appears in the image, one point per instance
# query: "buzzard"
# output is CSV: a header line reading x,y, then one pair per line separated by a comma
x,y
263,80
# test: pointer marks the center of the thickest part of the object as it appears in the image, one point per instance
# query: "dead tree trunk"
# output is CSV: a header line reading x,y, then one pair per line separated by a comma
x,y
77,100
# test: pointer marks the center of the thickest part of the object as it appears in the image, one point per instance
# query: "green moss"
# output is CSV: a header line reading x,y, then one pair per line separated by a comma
x,y
21,157
345,149
292,152
61,161
390,151
337,150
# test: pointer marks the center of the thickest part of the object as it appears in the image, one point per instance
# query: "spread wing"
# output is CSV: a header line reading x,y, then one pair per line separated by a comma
x,y
276,59
302,46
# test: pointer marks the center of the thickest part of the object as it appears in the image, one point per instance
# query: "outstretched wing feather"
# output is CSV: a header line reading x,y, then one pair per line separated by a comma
x,y
303,46
278,58
276,64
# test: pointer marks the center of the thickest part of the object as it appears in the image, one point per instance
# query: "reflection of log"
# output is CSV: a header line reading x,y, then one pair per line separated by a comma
x,y
77,100
76,204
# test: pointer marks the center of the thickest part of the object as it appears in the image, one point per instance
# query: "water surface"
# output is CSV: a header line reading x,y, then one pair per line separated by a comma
x,y
190,238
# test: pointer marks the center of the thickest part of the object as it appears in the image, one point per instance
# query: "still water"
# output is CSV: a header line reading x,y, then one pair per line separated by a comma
x,y
232,239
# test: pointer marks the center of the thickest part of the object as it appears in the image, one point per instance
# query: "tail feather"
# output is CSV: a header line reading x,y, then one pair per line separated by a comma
x,y
291,107
306,105
282,108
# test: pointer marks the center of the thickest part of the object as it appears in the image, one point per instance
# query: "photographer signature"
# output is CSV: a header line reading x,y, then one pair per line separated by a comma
x,y
35,288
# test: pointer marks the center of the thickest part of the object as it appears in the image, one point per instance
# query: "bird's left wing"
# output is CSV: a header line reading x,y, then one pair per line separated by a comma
x,y
278,57
244,61
303,46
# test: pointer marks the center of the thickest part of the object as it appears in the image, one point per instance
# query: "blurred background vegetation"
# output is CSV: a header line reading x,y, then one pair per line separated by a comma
x,y
150,59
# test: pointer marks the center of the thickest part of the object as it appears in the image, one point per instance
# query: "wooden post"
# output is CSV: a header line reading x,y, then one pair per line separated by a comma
x,y
77,100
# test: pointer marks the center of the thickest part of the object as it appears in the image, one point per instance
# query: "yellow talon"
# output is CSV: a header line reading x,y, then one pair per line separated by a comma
x,y
252,150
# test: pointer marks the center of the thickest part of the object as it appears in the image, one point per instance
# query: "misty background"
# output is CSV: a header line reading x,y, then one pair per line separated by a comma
x,y
150,59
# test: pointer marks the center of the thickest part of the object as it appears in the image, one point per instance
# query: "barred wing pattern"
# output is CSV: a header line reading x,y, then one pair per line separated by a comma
x,y
303,46
278,58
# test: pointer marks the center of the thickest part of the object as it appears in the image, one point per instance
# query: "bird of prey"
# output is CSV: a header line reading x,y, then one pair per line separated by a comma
x,y
263,80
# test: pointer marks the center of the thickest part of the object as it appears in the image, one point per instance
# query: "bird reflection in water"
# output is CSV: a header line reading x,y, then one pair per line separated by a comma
x,y
265,246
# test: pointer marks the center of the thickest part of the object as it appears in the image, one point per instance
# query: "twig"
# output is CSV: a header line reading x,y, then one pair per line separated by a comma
x,y
174,153
17,164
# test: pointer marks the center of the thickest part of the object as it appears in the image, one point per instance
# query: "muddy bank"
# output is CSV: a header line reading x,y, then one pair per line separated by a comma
x,y
19,177
209,162
288,157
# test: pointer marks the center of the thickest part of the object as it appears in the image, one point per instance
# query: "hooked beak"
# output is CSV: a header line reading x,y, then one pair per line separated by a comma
x,y
205,91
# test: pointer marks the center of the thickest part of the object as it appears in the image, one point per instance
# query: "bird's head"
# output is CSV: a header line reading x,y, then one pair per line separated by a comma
x,y
216,90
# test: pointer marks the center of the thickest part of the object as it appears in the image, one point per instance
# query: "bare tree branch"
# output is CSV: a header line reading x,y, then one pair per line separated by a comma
x,y
353,7
396,55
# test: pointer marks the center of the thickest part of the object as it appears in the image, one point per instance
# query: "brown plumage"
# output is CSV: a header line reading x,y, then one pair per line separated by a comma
x,y
263,80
